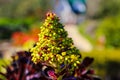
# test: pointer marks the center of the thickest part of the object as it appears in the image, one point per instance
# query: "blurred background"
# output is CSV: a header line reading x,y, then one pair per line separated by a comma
x,y
94,26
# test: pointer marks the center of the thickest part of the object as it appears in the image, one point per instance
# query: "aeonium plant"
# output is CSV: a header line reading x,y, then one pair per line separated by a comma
x,y
54,57
54,47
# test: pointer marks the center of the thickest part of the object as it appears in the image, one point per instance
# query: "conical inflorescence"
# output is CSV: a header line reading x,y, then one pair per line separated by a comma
x,y
54,46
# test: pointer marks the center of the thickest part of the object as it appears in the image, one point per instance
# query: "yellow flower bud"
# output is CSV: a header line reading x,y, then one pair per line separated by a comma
x,y
63,53
73,57
75,64
78,62
66,58
61,57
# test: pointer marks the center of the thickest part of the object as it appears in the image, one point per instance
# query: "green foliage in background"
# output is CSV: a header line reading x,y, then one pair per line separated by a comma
x,y
106,62
108,8
18,15
24,8
9,26
110,28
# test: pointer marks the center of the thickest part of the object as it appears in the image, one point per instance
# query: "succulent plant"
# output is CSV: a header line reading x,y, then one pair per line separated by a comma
x,y
56,49
53,57
54,46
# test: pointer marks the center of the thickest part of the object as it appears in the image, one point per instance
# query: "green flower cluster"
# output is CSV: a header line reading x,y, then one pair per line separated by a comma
x,y
53,46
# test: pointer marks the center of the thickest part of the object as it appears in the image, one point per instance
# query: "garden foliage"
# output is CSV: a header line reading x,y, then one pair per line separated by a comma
x,y
108,8
110,28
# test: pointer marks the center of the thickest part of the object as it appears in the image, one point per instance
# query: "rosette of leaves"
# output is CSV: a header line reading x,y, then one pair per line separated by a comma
x,y
22,68
83,72
54,46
